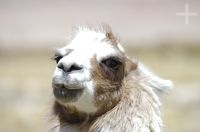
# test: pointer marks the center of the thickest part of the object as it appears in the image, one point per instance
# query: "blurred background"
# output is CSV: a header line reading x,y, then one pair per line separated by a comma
x,y
150,31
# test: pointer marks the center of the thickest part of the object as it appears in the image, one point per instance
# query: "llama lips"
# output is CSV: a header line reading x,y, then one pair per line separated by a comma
x,y
64,94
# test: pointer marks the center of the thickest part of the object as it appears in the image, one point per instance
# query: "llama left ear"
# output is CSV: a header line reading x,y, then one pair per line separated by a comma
x,y
138,70
157,83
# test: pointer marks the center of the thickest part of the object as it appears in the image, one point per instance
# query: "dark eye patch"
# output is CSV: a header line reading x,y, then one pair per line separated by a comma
x,y
112,63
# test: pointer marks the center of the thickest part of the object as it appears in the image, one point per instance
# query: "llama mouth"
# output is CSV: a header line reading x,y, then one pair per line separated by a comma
x,y
65,95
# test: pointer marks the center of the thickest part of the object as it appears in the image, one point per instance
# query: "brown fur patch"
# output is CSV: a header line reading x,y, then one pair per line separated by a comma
x,y
69,114
107,88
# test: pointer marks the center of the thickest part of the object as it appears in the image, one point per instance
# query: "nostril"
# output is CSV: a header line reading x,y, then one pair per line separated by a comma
x,y
74,67
60,66
68,68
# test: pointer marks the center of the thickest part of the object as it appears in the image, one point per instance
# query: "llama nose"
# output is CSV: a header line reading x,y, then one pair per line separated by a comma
x,y
69,68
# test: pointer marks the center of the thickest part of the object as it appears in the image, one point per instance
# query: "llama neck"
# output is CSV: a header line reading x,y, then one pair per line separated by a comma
x,y
70,119
138,110
70,114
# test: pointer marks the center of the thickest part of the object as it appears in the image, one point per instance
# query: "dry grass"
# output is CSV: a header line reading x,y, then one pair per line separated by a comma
x,y
25,88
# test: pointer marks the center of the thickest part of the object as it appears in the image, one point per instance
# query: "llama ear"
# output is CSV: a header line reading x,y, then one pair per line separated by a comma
x,y
158,84
138,71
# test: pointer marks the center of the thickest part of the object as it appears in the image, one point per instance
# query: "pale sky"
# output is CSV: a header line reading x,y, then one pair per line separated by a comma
x,y
133,20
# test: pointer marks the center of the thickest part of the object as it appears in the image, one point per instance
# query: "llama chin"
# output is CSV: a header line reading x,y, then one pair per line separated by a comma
x,y
97,87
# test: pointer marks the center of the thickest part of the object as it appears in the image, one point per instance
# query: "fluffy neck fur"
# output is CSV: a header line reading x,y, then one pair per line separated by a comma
x,y
138,111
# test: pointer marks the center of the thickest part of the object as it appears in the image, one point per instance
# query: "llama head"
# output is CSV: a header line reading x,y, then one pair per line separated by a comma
x,y
90,70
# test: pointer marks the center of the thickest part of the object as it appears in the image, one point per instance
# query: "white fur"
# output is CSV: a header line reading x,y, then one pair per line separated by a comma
x,y
85,102
105,50
89,43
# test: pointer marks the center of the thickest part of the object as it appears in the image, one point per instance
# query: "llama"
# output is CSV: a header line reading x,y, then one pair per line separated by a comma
x,y
98,88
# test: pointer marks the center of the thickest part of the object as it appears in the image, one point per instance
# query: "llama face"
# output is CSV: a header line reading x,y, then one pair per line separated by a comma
x,y
89,68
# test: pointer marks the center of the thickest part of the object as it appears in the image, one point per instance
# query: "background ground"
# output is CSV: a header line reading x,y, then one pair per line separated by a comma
x,y
25,87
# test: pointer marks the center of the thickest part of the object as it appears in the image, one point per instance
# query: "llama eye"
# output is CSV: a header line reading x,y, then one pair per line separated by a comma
x,y
57,58
112,63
